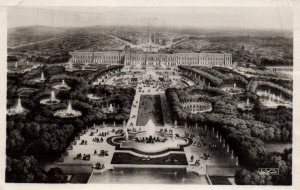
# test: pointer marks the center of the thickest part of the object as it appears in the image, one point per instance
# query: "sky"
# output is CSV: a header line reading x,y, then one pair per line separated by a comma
x,y
197,17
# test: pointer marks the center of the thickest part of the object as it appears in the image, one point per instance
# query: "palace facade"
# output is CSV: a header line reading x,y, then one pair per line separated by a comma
x,y
153,59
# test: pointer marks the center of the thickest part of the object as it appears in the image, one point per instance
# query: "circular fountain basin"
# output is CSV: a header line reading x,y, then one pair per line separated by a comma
x,y
14,111
92,97
244,106
231,90
64,114
272,102
61,87
49,101
38,80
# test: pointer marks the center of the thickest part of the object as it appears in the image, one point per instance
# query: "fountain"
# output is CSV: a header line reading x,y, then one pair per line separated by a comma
x,y
273,100
173,134
51,100
232,88
148,140
62,86
111,109
126,134
69,109
150,128
93,97
42,77
18,109
245,105
67,113
108,109
70,67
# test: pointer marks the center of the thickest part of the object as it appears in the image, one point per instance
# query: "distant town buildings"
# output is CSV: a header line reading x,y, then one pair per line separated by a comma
x,y
153,59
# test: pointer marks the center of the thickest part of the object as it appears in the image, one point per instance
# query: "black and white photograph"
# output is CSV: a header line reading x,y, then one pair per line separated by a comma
x,y
188,95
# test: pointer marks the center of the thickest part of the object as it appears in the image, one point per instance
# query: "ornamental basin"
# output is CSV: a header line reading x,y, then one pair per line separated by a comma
x,y
232,88
141,143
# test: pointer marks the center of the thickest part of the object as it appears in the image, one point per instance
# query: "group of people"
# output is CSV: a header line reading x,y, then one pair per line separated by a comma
x,y
150,139
102,153
213,146
99,166
83,157
98,140
166,130
83,142
103,134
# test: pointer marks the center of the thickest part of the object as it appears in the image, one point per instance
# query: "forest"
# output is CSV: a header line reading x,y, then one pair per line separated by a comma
x,y
245,131
38,137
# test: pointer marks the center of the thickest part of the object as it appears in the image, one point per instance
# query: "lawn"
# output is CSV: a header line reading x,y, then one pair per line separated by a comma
x,y
150,108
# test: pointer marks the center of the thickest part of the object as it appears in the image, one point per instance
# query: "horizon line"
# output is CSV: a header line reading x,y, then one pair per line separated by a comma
x,y
165,27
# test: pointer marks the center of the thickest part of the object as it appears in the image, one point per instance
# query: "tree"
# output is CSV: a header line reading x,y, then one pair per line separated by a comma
x,y
245,177
24,170
56,175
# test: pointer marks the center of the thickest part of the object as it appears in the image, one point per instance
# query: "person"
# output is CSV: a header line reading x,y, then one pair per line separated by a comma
x,y
95,152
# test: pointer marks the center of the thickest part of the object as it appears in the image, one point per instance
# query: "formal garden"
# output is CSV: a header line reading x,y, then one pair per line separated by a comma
x,y
71,119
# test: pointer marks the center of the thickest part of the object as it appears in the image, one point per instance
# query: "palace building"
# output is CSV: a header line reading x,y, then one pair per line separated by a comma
x,y
152,59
